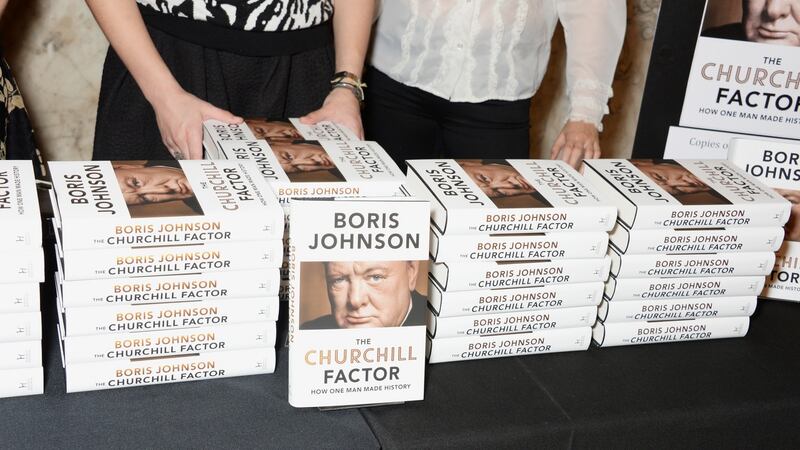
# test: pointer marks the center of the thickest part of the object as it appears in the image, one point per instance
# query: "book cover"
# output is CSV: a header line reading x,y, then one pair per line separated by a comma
x,y
776,165
20,220
169,288
25,326
19,382
110,204
699,143
693,308
507,196
491,301
688,193
517,247
510,323
482,347
20,354
695,240
625,289
497,275
690,265
636,333
358,299
19,297
204,366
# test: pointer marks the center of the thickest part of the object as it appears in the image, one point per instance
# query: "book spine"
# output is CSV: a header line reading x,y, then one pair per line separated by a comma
x,y
150,344
170,288
21,354
549,220
19,297
127,319
20,233
119,374
482,347
661,289
507,323
27,266
467,303
649,310
122,263
25,326
711,216
452,248
635,333
19,382
724,240
469,276
702,265
285,191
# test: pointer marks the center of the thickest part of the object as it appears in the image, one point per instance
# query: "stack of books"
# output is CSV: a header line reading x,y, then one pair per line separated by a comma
x,y
21,271
167,271
323,160
518,252
693,242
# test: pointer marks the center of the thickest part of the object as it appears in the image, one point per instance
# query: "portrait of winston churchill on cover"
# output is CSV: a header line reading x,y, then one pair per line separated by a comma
x,y
502,183
362,294
775,22
305,161
156,189
679,182
272,130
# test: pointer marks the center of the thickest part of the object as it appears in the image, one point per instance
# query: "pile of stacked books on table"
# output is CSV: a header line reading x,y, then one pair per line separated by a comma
x,y
518,252
21,271
692,244
167,271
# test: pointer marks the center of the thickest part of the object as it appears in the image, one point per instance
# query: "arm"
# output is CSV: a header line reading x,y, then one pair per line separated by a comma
x,y
3,4
180,115
352,21
594,34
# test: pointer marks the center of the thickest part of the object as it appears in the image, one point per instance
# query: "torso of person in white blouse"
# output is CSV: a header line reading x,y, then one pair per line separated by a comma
x,y
479,50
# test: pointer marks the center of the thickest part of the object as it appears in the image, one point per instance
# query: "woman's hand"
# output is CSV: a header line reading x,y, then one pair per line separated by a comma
x,y
342,107
576,142
180,117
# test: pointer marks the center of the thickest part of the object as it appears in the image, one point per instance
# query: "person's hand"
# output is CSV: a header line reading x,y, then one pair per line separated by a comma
x,y
576,142
180,117
341,107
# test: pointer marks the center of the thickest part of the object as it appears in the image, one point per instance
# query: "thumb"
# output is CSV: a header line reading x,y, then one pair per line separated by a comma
x,y
212,112
311,118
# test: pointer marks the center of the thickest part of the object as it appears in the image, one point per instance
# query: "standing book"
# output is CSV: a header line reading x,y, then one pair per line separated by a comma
x,y
20,221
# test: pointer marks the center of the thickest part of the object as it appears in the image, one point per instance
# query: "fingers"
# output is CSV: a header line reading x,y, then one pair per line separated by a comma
x,y
194,140
212,112
596,153
558,145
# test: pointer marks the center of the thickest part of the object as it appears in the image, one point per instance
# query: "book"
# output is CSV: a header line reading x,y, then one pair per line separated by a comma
x,y
19,382
491,301
776,165
685,194
112,204
496,275
19,297
690,265
358,301
676,309
320,169
163,316
27,266
151,344
173,260
625,289
20,220
26,326
511,323
169,288
204,366
635,333
482,347
698,143
517,247
20,354
507,196
695,240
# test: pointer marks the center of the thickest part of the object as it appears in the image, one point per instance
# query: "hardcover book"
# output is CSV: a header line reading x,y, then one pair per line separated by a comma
x,y
26,266
508,323
102,204
204,366
693,308
685,194
513,274
20,354
491,301
690,265
517,247
19,297
635,333
507,196
482,347
625,289
25,326
358,301
19,382
695,240
20,220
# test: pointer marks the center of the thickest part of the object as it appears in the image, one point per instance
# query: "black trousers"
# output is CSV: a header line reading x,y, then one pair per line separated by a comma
x,y
414,124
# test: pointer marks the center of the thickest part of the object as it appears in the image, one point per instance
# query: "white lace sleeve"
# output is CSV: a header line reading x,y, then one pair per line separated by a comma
x,y
594,32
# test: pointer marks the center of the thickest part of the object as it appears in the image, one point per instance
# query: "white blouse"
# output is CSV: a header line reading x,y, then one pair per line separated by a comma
x,y
477,50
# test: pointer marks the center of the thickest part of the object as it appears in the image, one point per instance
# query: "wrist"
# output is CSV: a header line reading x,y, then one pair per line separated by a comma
x,y
349,81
